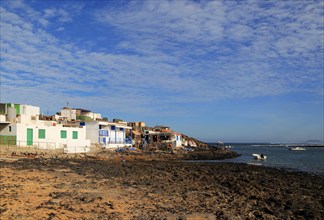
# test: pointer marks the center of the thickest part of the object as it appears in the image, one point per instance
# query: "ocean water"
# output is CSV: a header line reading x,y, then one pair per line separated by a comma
x,y
311,160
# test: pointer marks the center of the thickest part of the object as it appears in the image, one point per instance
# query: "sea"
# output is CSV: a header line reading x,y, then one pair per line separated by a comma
x,y
278,155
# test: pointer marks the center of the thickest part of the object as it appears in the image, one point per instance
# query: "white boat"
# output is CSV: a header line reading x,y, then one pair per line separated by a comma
x,y
297,148
259,156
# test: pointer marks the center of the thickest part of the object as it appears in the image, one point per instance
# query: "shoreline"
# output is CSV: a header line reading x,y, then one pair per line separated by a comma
x,y
132,188
210,154
279,168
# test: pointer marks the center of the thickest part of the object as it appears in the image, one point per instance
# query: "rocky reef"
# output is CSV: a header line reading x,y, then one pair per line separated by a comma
x,y
144,186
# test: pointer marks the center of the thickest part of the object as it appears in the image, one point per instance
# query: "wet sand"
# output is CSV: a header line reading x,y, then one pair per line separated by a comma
x,y
136,188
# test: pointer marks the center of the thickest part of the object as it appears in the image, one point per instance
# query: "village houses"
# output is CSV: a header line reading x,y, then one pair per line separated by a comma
x,y
75,130
21,125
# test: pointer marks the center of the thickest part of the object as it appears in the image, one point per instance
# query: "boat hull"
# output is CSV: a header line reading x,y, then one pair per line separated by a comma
x,y
259,156
297,149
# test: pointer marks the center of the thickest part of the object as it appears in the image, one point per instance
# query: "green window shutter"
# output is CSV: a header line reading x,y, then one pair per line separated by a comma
x,y
41,133
63,134
75,135
17,107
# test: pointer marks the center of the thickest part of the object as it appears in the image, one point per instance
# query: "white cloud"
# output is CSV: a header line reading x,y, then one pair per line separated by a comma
x,y
27,12
176,52
183,21
283,28
49,12
60,29
240,32
60,14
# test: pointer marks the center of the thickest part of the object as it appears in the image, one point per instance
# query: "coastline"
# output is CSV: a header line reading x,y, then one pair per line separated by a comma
x,y
310,160
146,188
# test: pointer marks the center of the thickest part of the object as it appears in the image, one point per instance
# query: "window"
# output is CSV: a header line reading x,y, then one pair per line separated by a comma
x,y
113,127
9,128
63,134
41,133
75,135
103,133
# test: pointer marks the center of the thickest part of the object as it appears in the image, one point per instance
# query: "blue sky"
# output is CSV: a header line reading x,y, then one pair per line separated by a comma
x,y
214,70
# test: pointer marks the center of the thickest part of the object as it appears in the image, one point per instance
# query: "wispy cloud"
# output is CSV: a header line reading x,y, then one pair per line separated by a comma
x,y
170,52
61,14
26,11
252,42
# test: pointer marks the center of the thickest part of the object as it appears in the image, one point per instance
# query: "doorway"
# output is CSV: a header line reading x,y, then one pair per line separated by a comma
x,y
29,136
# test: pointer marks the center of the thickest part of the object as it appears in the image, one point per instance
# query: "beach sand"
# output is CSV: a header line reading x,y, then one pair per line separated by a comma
x,y
154,189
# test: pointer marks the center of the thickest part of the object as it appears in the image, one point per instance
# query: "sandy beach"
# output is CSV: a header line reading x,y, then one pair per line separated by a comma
x,y
135,188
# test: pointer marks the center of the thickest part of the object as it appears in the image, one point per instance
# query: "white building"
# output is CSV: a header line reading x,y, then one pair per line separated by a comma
x,y
20,125
16,113
166,136
72,114
68,113
108,134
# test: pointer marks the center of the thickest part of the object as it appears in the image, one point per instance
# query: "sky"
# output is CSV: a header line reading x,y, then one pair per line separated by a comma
x,y
235,71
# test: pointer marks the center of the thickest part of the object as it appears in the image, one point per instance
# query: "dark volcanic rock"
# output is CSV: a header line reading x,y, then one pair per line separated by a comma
x,y
160,189
211,154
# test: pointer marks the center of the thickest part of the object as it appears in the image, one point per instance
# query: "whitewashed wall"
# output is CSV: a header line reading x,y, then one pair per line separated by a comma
x,y
69,114
52,138
92,131
28,114
29,110
4,129
77,146
92,115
